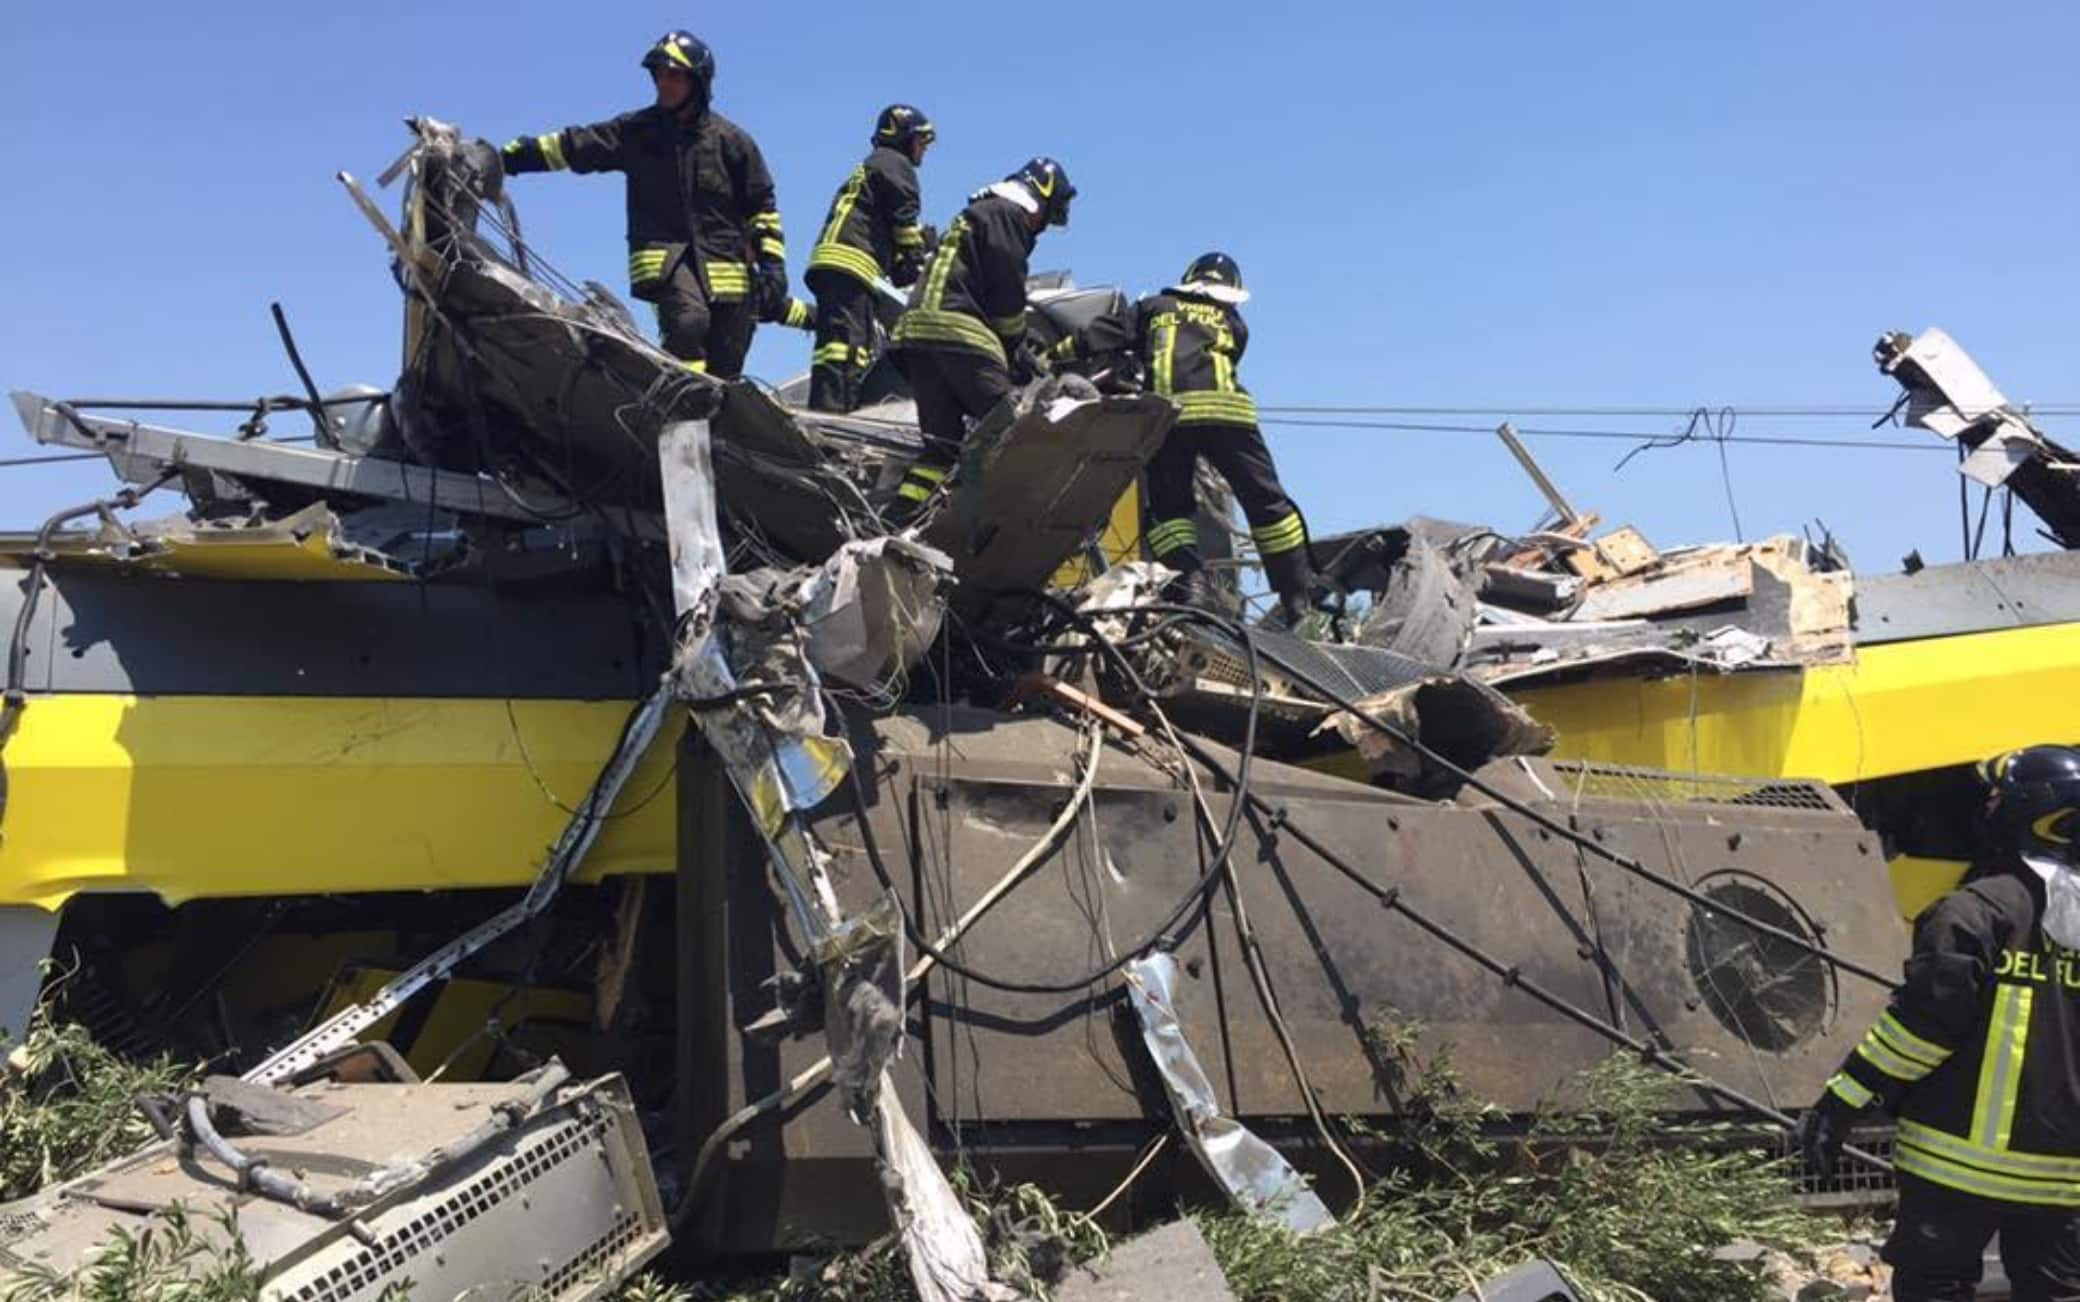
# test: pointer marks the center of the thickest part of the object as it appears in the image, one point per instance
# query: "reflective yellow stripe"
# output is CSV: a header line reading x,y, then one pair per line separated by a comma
x,y
646,265
772,247
841,207
914,492
1169,535
798,314
929,326
1224,408
1064,348
909,237
2000,1072
857,263
2034,1166
551,146
932,474
1875,1052
1011,327
840,352
1163,355
1909,1045
767,221
727,280
1280,535
1985,1184
1851,1090
942,263
699,365
675,54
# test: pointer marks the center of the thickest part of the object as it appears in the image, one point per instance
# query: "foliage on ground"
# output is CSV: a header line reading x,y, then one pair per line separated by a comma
x,y
67,1105
1632,1207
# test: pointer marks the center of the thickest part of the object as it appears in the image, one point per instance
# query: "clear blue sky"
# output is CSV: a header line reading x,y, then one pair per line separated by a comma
x,y
1448,204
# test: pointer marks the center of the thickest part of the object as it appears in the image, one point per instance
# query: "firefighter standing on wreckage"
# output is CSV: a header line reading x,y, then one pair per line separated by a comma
x,y
1191,336
1979,1056
872,232
961,341
704,239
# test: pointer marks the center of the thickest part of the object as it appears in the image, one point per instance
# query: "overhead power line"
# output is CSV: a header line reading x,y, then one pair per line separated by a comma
x,y
1630,436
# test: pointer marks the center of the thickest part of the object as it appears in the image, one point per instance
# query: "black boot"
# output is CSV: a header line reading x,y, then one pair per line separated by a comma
x,y
1191,587
1291,575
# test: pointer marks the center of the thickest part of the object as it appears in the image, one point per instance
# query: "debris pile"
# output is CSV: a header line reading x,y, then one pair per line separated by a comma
x,y
983,850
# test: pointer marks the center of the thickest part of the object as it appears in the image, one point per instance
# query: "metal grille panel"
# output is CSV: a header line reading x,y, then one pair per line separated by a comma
x,y
1618,782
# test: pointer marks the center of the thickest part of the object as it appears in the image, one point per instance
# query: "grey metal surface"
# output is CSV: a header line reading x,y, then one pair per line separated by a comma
x,y
1968,597
562,1206
25,941
101,630
139,452
954,797
1028,500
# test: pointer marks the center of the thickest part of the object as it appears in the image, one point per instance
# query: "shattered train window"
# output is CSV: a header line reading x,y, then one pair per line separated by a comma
x,y
1762,988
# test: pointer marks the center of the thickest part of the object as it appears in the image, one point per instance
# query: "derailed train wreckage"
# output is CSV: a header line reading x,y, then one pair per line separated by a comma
x,y
957,861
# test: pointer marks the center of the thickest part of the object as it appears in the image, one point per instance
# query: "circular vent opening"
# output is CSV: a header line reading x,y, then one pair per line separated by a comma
x,y
1764,989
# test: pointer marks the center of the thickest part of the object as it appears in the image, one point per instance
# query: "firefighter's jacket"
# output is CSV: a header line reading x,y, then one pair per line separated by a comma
x,y
1979,1053
1190,345
972,295
698,191
872,224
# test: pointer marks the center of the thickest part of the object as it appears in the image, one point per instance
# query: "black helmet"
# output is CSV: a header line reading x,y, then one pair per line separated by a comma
x,y
1214,268
2033,803
1216,276
1049,184
685,51
899,124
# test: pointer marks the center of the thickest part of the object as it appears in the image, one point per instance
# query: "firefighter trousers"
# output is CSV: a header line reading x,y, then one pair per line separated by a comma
x,y
1938,1246
844,340
709,335
953,386
1239,454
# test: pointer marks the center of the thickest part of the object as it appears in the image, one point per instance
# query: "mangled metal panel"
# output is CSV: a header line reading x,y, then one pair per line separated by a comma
x,y
1258,1180
1013,1075
1948,394
1031,493
496,1195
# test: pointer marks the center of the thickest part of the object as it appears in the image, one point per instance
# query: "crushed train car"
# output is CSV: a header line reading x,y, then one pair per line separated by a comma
x,y
864,846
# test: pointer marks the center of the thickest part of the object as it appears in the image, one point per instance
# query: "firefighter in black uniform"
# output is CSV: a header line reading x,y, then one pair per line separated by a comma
x,y
961,339
1190,338
1979,1056
872,231
704,241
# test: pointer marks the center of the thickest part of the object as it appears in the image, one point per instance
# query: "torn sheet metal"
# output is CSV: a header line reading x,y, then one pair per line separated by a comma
x,y
947,1260
873,608
1466,722
744,661
864,992
1260,1181
1032,491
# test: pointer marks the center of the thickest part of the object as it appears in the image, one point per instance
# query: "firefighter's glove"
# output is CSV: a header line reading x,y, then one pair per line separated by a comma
x,y
1823,1131
1026,361
769,288
906,269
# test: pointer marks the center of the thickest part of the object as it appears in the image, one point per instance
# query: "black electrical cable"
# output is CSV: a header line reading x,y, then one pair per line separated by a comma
x,y
1626,862
319,428
15,698
1511,975
1195,898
